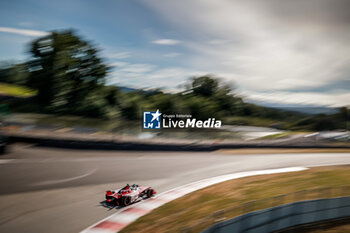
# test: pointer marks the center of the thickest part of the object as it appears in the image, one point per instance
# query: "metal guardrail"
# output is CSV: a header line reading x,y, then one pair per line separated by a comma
x,y
279,212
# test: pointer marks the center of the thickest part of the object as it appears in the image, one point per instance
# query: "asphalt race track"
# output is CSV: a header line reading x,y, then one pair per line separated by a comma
x,y
58,190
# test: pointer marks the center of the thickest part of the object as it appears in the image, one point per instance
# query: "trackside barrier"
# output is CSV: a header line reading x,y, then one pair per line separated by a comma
x,y
240,209
286,216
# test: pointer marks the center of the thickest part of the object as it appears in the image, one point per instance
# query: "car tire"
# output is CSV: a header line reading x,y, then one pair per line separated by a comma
x,y
150,193
126,201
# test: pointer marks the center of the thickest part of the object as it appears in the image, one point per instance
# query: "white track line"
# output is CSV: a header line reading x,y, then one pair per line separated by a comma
x,y
3,161
64,180
329,164
119,220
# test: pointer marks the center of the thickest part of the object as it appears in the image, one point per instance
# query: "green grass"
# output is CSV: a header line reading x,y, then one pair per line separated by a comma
x,y
196,209
16,91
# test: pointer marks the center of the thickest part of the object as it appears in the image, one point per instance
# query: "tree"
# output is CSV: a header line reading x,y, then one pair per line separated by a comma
x,y
14,73
65,69
204,86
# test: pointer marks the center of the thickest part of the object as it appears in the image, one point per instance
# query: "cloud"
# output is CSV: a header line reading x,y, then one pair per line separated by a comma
x,y
172,54
149,76
120,55
24,32
266,46
138,68
218,42
337,99
118,64
166,42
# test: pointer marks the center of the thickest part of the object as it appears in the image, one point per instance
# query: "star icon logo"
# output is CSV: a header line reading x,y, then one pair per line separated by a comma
x,y
156,115
151,120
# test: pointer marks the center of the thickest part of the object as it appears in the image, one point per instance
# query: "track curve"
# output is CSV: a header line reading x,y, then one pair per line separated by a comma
x,y
74,204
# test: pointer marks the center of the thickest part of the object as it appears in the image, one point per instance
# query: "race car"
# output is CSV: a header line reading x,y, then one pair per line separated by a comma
x,y
128,195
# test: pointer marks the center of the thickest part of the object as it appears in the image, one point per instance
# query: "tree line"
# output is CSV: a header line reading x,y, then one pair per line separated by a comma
x,y
70,78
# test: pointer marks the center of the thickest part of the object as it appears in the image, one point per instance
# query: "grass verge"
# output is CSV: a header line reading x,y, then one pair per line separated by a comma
x,y
338,229
16,91
194,209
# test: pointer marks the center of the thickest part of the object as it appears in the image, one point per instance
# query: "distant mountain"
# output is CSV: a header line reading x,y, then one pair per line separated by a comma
x,y
311,110
128,89
306,109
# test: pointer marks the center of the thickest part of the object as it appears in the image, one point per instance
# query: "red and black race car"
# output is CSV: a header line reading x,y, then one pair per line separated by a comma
x,y
129,194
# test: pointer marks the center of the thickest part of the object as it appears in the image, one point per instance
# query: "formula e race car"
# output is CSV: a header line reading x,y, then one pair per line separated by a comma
x,y
128,195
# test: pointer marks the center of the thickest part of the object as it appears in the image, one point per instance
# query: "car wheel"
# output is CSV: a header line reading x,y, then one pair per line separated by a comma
x,y
150,193
126,201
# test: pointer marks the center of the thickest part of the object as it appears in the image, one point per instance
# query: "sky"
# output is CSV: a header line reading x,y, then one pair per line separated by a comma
x,y
275,52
